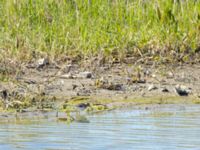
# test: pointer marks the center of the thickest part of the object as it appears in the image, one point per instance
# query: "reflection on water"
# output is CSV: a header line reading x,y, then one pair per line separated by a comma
x,y
160,129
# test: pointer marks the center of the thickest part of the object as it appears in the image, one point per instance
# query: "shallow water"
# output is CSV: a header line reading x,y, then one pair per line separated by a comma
x,y
170,127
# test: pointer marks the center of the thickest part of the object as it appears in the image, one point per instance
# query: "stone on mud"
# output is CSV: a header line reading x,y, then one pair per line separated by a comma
x,y
165,90
42,62
152,87
67,76
83,106
170,75
182,90
85,75
116,87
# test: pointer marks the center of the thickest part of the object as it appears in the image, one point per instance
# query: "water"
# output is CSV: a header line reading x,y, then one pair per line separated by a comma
x,y
176,128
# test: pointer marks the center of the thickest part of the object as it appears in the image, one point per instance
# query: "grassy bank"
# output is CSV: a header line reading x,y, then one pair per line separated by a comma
x,y
93,26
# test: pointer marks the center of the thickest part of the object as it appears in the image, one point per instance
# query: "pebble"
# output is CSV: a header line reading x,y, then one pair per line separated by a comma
x,y
42,62
4,94
67,76
170,75
165,90
85,75
153,76
182,90
74,86
152,87
83,106
146,72
117,87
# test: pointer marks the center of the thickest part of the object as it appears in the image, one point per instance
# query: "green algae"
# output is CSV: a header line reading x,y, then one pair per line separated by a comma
x,y
91,104
21,102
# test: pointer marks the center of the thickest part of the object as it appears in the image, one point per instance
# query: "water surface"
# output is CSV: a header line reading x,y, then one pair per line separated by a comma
x,y
170,127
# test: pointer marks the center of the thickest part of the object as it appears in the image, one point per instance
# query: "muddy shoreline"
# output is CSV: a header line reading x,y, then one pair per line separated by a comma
x,y
44,86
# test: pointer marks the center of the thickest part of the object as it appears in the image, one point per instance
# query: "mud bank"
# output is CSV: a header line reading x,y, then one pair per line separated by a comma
x,y
45,87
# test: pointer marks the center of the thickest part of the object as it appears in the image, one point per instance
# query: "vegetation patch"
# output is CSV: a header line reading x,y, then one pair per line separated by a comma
x,y
156,29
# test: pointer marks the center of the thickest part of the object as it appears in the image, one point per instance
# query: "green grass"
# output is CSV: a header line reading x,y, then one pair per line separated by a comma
x,y
99,26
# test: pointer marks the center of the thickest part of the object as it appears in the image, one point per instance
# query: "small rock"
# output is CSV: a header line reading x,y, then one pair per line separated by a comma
x,y
83,106
42,62
182,90
152,87
85,75
141,81
74,86
170,75
117,87
4,94
67,76
153,76
146,72
165,90
30,81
